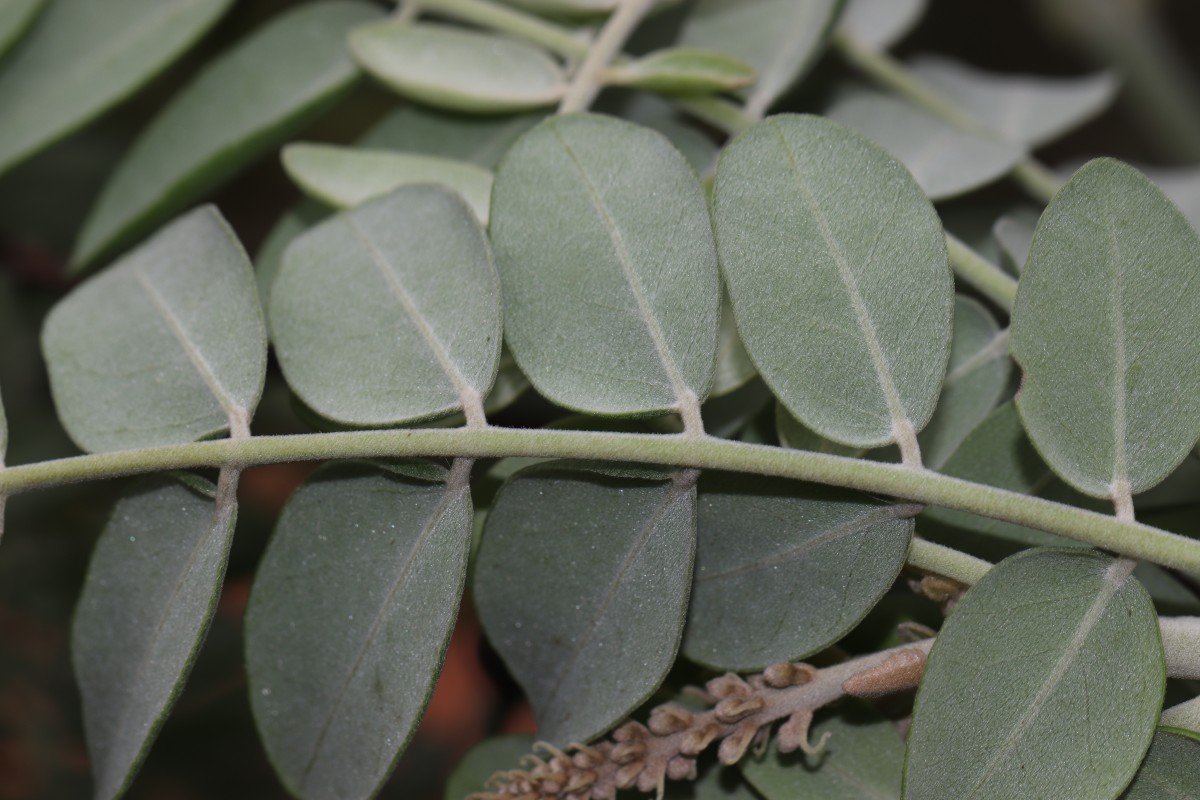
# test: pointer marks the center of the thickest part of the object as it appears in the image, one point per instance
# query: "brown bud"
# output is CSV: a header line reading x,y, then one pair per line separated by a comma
x,y
627,774
733,709
781,676
793,734
680,768
581,780
697,741
630,731
901,670
735,744
627,752
669,719
727,685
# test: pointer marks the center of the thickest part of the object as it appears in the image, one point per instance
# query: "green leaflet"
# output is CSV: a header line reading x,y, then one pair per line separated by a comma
x,y
792,433
1027,109
149,594
879,24
976,378
780,39
1028,679
269,258
863,758
1106,327
389,312
588,208
1171,770
1182,185
715,782
15,18
267,86
782,571
497,754
454,68
565,7
829,249
480,140
348,623
683,70
580,570
945,161
1013,233
81,57
652,111
734,367
166,346
345,177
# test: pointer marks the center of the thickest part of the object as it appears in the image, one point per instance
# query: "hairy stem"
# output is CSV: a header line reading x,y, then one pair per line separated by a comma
x,y
586,83
972,268
1031,174
945,561
701,452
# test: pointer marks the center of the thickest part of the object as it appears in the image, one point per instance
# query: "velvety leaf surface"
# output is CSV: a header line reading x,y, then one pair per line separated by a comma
x,y
165,346
829,249
389,312
1013,233
1182,185
345,177
267,261
945,160
1171,770
15,18
578,571
348,622
588,207
459,69
652,111
266,86
734,367
683,70
150,591
1028,679
1107,329
780,39
863,758
976,378
783,570
497,754
478,139
793,433
879,24
1018,108
80,57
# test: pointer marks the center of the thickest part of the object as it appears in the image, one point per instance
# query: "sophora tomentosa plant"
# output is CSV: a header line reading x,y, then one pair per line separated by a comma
x,y
781,401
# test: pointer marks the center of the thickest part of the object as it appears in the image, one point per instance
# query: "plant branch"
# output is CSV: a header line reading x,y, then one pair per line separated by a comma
x,y
607,46
1031,174
1181,644
739,713
701,452
947,562
996,284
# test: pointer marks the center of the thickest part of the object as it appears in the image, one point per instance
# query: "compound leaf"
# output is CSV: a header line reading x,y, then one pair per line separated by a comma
x,y
1106,326
588,208
780,39
782,570
458,69
683,70
345,177
1025,109
945,160
166,346
81,57
348,622
149,594
1028,679
578,571
267,86
829,249
389,312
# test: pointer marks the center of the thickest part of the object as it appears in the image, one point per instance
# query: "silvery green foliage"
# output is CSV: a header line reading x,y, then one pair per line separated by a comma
x,y
781,295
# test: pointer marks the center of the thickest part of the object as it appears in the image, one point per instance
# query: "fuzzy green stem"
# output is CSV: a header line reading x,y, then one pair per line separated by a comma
x,y
701,452
1031,174
620,26
974,269
947,562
